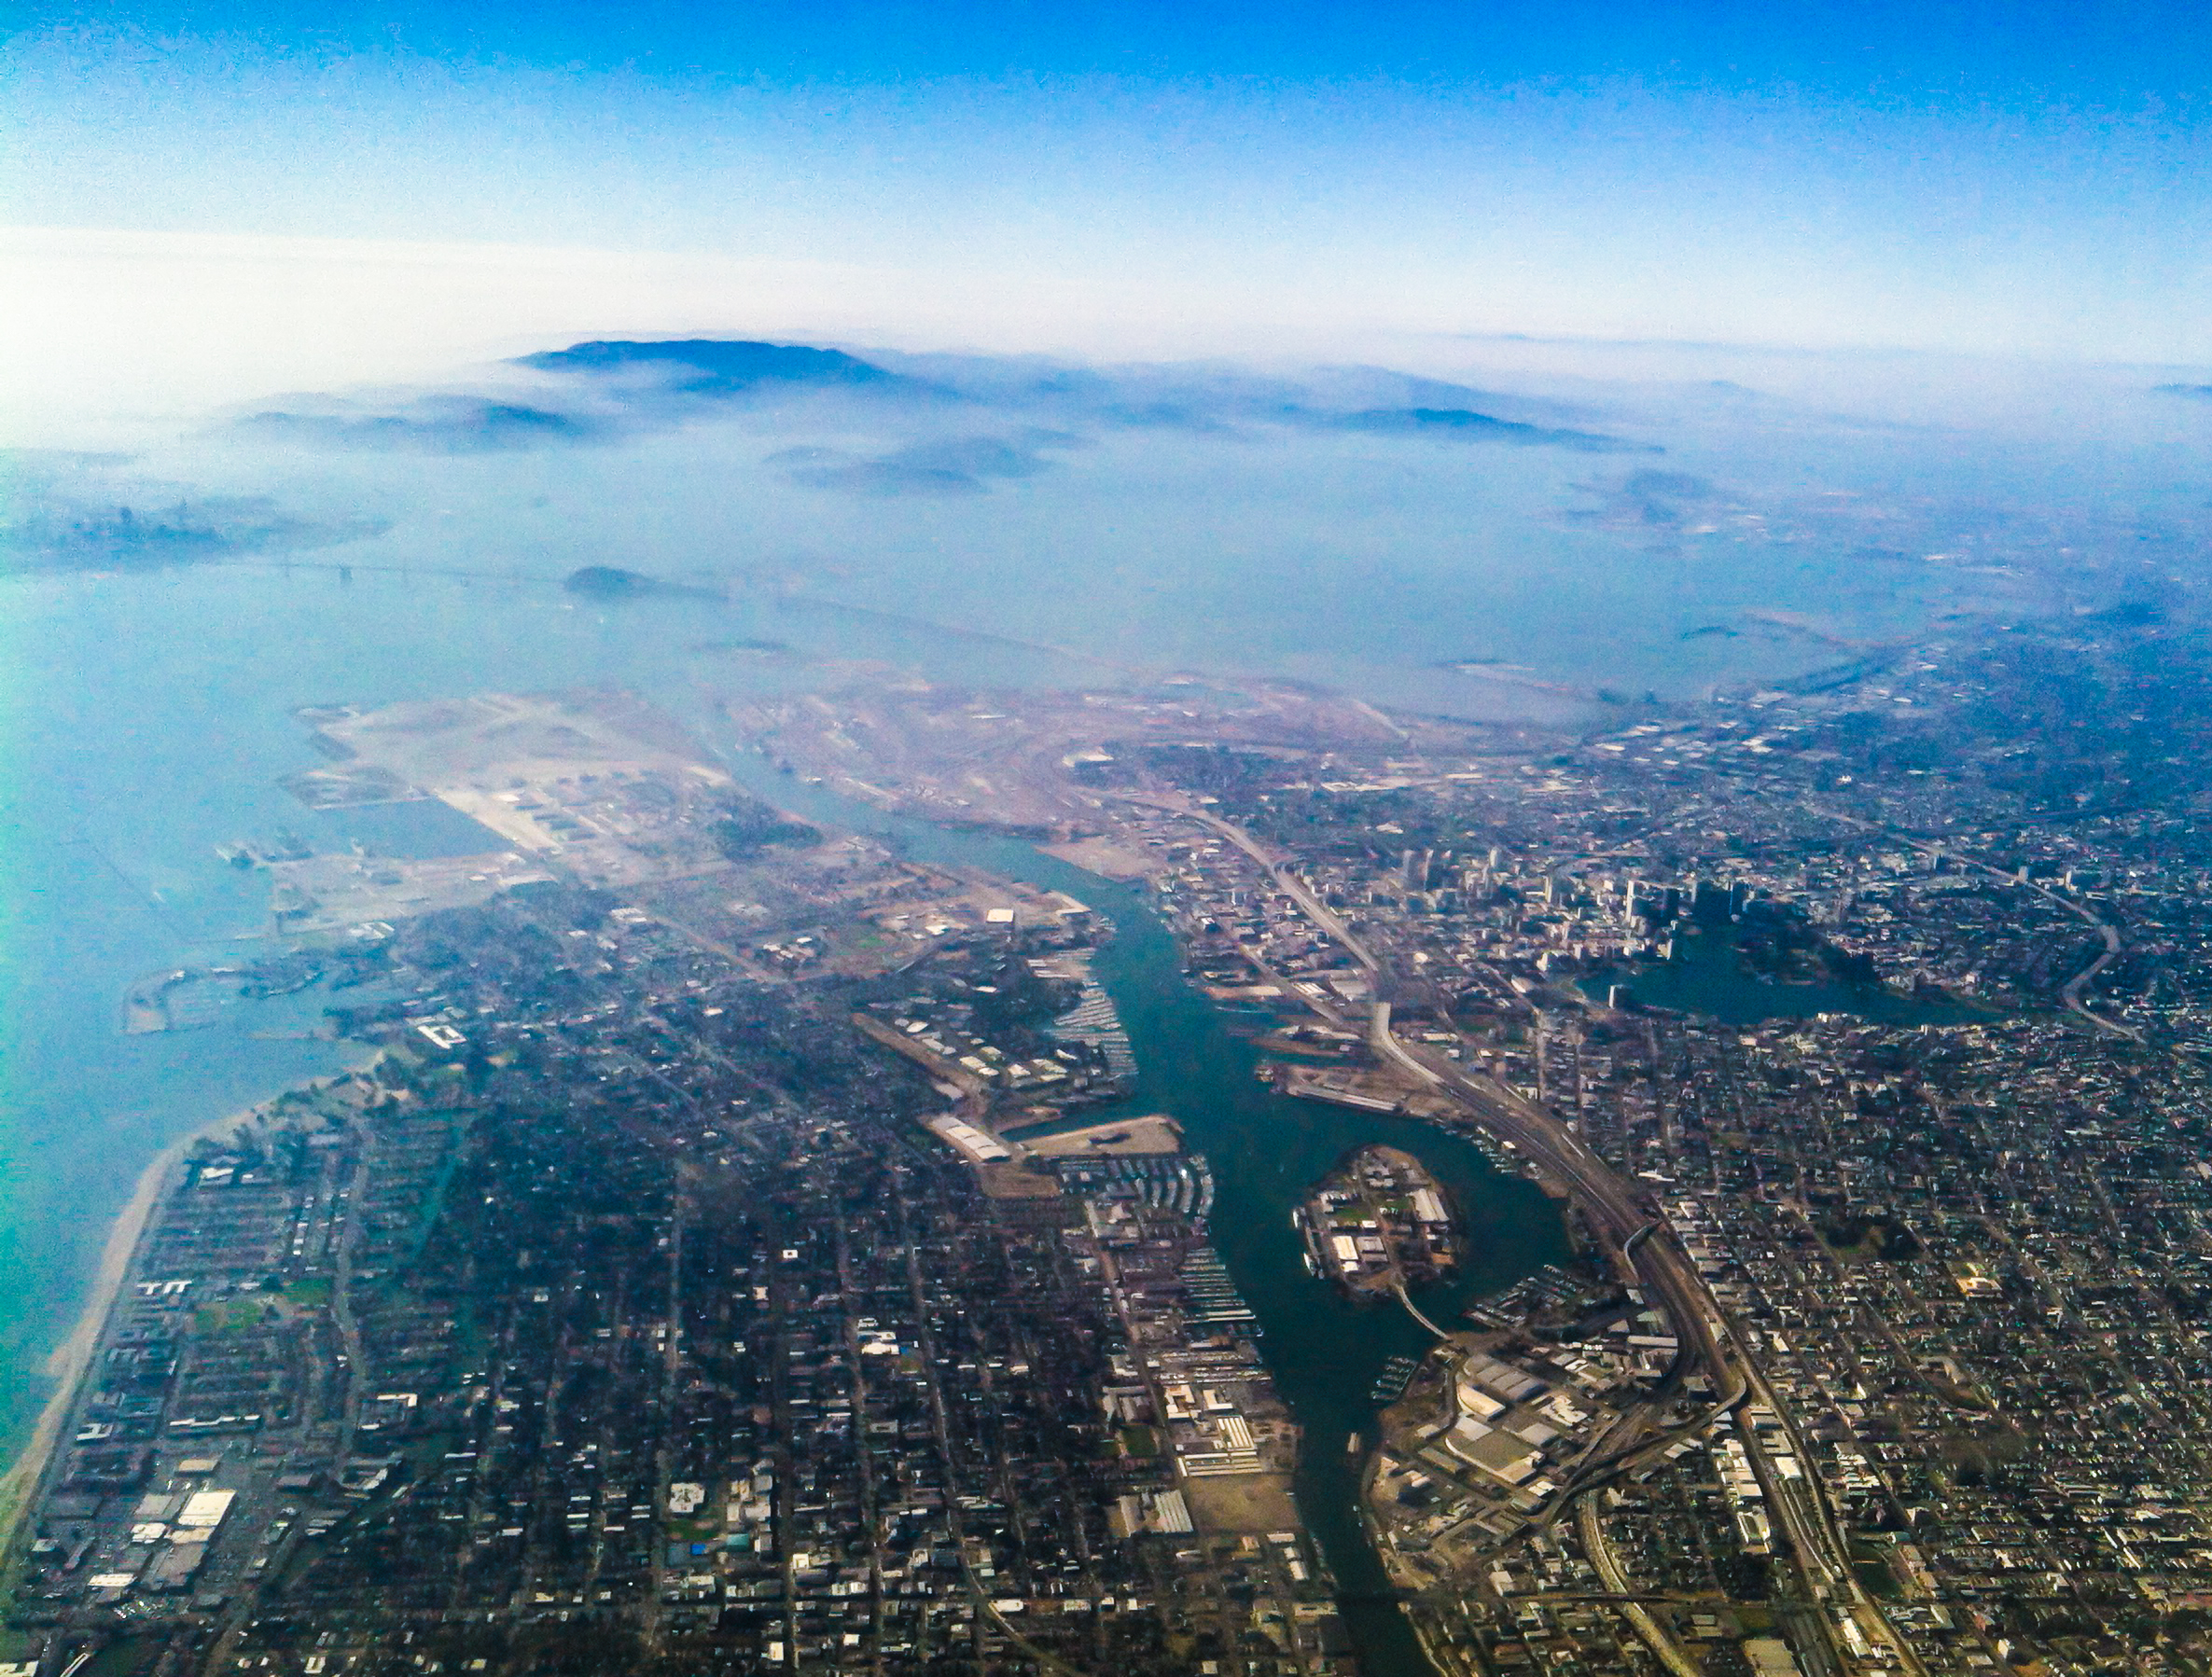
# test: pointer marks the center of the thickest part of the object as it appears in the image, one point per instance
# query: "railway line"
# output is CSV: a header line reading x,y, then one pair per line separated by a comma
x,y
1638,1238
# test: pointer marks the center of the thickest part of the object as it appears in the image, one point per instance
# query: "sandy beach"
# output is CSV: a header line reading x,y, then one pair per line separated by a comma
x,y
67,1367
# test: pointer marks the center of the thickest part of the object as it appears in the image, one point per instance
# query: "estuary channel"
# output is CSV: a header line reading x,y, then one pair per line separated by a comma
x,y
1266,1150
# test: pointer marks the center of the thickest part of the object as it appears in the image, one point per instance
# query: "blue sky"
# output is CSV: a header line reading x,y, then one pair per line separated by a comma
x,y
2111,53
1993,178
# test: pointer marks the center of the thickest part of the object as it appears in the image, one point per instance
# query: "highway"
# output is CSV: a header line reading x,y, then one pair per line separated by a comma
x,y
1628,1229
1600,1552
1636,1238
2071,993
1670,1281
1296,889
1642,1244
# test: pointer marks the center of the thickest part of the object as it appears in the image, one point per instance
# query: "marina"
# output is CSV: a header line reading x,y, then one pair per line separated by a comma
x,y
1335,1361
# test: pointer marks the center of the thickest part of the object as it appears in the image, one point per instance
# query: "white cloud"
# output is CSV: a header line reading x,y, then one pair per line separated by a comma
x,y
106,335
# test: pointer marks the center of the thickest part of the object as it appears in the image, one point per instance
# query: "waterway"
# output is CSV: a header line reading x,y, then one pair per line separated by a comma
x,y
146,717
1266,1150
145,720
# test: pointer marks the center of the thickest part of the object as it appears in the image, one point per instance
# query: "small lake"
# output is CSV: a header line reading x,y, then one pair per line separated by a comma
x,y
1709,974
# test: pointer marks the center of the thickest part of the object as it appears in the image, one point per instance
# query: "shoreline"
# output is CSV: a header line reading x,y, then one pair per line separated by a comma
x,y
70,1359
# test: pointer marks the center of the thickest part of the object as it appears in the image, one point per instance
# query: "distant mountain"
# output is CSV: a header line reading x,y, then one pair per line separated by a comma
x,y
960,465
1205,396
1484,427
670,382
718,367
439,424
611,582
2201,393
604,388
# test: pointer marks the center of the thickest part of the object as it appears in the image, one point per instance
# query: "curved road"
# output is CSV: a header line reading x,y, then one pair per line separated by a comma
x,y
1643,1245
1628,1229
2071,991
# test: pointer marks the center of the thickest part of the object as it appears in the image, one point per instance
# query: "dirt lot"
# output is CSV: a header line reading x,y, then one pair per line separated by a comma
x,y
1104,857
1157,1133
1242,1501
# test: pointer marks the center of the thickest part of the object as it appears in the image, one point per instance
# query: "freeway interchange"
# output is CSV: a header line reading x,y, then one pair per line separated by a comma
x,y
1636,1240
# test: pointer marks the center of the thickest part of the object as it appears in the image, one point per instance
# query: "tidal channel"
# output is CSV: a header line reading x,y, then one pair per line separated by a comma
x,y
1266,1150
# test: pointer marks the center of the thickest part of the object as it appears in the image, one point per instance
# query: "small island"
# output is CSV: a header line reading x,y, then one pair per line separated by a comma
x,y
1379,1223
745,647
611,582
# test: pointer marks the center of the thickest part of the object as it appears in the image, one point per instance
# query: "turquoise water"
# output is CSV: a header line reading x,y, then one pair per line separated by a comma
x,y
1352,560
147,719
